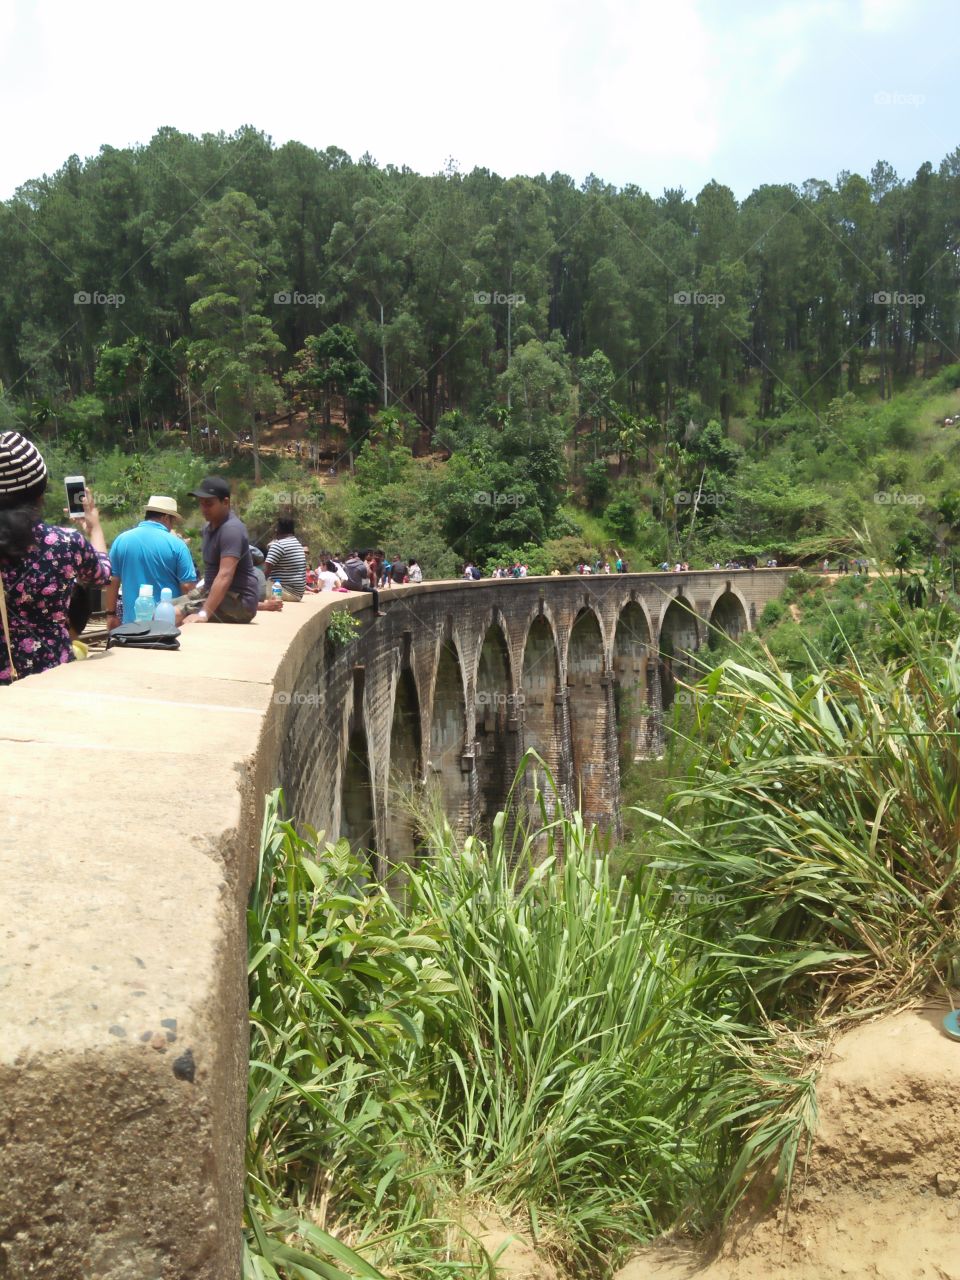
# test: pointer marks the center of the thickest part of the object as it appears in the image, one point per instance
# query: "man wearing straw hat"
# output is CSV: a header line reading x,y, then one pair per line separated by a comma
x,y
151,552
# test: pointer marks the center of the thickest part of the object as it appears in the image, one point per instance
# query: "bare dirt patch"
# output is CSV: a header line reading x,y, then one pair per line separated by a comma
x,y
879,1194
515,1257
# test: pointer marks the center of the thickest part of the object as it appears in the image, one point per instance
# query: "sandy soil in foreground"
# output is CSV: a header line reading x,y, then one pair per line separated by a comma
x,y
880,1196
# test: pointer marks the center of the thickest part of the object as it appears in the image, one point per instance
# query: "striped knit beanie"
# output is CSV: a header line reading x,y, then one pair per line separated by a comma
x,y
21,467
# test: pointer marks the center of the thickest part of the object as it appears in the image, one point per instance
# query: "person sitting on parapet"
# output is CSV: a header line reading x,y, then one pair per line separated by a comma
x,y
374,562
78,615
148,553
287,561
357,571
327,577
230,591
258,558
361,575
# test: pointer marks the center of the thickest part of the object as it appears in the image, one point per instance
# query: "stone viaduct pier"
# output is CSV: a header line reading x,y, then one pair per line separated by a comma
x,y
132,795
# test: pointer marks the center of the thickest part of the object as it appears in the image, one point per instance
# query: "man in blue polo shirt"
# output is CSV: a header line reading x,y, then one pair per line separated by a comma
x,y
149,553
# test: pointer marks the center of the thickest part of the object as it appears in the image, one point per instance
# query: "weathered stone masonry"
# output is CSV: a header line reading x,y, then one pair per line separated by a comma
x,y
450,684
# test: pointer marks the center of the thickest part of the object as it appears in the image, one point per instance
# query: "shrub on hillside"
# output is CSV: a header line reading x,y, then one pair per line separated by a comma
x,y
596,484
947,379
566,553
787,644
773,612
801,581
620,518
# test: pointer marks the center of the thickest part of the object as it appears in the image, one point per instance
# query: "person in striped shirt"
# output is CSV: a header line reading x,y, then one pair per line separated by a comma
x,y
287,561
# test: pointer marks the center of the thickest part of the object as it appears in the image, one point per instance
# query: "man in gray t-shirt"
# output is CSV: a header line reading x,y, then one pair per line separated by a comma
x,y
230,589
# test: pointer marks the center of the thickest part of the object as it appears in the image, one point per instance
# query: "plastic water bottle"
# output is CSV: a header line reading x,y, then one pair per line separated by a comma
x,y
277,589
165,612
145,604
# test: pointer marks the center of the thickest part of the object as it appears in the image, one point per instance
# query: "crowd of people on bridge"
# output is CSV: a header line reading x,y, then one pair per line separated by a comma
x,y
520,570
46,570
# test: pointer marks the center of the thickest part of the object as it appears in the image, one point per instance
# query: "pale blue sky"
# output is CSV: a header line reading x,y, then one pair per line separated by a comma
x,y
664,93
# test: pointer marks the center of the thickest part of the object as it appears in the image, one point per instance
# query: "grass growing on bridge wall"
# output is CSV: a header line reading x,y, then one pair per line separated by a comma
x,y
601,1058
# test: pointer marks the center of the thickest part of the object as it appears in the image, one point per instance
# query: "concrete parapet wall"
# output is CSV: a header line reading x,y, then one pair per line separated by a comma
x,y
132,788
132,795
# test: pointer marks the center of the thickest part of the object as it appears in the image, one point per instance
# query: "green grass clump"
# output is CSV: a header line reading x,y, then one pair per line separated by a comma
x,y
828,811
539,1036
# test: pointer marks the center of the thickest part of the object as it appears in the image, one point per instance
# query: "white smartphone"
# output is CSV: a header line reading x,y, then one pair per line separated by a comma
x,y
75,486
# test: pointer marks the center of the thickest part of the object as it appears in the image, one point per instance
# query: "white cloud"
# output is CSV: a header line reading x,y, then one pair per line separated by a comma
x,y
884,15
8,20
517,87
651,88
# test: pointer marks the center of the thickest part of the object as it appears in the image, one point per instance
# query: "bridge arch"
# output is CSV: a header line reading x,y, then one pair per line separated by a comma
x,y
542,700
496,718
729,613
449,765
404,767
678,641
636,685
590,709
357,814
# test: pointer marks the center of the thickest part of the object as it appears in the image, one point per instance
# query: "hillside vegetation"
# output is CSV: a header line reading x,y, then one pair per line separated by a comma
x,y
507,368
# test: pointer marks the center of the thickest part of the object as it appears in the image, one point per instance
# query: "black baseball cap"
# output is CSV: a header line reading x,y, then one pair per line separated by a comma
x,y
211,487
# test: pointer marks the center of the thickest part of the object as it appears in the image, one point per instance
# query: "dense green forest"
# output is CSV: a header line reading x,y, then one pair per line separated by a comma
x,y
671,375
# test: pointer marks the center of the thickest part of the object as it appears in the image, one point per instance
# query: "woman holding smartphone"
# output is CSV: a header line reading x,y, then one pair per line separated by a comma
x,y
40,565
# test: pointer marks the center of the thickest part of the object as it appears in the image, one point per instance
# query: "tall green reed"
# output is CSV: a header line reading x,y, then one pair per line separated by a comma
x,y
517,1028
822,819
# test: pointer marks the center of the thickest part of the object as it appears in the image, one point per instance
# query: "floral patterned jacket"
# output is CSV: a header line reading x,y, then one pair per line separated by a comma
x,y
38,588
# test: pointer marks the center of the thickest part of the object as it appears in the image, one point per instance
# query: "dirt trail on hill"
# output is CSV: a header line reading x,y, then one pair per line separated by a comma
x,y
880,1196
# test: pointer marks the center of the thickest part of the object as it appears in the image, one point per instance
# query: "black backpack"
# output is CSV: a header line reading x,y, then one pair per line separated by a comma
x,y
144,635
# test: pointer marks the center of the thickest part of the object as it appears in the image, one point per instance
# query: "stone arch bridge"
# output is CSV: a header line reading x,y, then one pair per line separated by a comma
x,y
449,686
131,800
